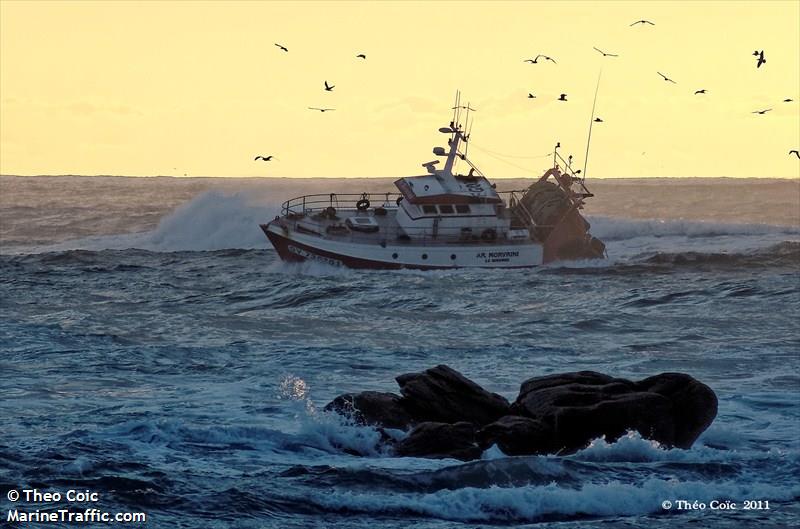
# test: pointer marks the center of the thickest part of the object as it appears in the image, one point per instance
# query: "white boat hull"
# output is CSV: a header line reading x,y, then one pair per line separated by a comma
x,y
295,246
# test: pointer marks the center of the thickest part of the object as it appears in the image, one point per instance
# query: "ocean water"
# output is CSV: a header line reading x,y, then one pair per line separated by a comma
x,y
153,349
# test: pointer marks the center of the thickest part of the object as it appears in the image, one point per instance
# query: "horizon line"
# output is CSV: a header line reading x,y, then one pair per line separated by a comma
x,y
382,177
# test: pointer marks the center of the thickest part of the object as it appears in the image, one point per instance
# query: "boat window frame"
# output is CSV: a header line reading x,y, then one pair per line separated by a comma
x,y
463,209
429,209
442,210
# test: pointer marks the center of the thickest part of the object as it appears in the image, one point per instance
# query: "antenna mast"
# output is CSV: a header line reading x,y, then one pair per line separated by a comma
x,y
591,122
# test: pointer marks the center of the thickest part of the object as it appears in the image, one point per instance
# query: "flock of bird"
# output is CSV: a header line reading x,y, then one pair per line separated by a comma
x,y
327,87
758,54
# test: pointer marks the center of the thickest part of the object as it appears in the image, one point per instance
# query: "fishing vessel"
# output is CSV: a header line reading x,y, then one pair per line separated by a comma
x,y
443,219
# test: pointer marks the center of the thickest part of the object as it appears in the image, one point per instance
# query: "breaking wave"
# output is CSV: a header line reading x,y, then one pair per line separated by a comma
x,y
547,502
211,221
618,229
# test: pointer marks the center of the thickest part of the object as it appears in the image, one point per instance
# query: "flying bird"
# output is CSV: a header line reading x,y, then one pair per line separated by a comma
x,y
703,91
666,78
795,152
321,109
605,54
328,87
642,22
531,96
761,111
265,158
562,97
761,60
535,60
361,56
598,120
788,100
284,48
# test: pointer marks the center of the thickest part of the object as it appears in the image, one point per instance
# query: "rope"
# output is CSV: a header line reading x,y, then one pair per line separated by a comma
x,y
500,159
511,155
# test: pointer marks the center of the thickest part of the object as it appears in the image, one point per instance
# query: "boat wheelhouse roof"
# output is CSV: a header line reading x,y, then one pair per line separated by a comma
x,y
447,189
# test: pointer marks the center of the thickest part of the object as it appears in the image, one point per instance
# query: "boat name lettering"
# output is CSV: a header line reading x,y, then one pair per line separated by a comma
x,y
495,255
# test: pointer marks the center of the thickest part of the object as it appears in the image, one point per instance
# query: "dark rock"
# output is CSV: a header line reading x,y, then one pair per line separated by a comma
x,y
556,414
589,378
647,413
442,394
516,435
373,408
439,440
671,409
694,405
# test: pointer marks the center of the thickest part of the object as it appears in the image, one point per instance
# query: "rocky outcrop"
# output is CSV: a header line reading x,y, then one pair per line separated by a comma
x,y
452,416
694,405
443,394
439,440
516,436
671,408
373,408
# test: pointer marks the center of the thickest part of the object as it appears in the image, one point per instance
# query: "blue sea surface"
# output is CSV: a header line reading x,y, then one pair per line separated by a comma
x,y
189,384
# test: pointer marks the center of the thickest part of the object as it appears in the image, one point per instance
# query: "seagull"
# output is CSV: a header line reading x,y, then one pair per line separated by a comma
x,y
284,48
535,60
642,22
703,91
562,97
666,78
598,120
788,100
761,111
531,96
605,54
795,152
328,87
321,109
265,158
361,56
761,60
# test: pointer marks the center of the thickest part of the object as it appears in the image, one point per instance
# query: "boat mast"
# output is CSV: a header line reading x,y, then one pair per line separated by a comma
x,y
591,121
458,136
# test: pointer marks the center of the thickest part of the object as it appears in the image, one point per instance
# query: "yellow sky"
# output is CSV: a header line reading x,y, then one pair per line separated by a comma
x,y
148,88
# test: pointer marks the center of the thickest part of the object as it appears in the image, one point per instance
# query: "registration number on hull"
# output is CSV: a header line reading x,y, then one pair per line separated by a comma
x,y
305,254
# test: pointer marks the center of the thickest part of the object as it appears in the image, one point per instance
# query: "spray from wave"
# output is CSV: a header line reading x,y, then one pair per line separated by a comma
x,y
211,221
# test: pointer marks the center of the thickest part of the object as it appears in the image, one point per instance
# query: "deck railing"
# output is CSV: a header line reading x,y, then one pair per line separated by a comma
x,y
309,204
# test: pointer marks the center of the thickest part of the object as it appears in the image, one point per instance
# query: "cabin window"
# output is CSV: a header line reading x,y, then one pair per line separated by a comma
x,y
462,208
446,209
429,209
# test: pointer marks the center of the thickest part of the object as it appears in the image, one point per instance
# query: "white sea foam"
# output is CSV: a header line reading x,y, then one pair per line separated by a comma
x,y
633,448
530,503
616,229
